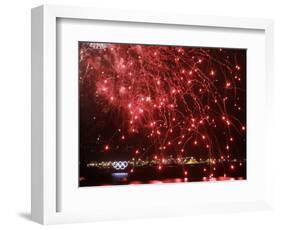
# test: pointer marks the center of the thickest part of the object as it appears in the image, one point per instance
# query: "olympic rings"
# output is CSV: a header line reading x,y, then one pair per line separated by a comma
x,y
120,165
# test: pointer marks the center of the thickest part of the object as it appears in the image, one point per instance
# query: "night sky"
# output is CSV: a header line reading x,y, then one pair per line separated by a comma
x,y
154,102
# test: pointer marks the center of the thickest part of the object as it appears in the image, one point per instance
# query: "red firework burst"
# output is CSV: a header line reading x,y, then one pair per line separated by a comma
x,y
158,101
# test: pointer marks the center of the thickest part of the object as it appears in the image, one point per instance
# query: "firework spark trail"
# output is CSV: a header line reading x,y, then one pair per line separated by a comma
x,y
173,95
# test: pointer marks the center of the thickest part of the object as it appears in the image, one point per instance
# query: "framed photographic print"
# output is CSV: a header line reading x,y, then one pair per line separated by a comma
x,y
139,114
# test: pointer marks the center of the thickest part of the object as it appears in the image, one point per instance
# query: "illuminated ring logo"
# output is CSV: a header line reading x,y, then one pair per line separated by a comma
x,y
120,165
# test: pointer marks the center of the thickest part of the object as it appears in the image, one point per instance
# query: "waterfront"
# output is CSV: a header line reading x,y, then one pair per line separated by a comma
x,y
94,176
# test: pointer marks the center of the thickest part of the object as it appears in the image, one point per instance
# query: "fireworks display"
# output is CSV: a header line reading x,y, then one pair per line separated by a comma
x,y
160,104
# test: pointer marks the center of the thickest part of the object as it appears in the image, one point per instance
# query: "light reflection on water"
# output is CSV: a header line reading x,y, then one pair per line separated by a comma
x,y
180,180
152,175
123,177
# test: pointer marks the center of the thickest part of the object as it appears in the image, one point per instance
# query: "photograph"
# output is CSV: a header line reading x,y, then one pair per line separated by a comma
x,y
154,114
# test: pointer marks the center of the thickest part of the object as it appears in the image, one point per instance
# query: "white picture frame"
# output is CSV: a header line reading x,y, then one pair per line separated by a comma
x,y
45,162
